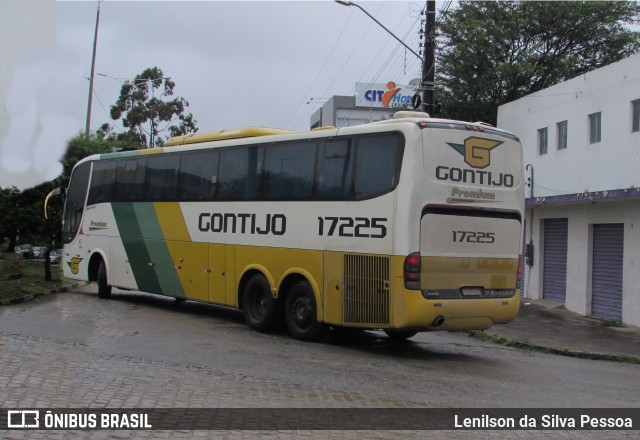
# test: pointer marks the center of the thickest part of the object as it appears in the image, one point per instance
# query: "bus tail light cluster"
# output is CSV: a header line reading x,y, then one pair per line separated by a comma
x,y
520,269
411,271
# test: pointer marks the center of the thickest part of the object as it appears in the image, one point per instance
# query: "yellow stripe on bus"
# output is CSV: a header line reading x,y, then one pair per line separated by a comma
x,y
190,260
172,221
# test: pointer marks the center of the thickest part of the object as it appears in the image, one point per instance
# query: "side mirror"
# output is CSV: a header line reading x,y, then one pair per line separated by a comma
x,y
53,193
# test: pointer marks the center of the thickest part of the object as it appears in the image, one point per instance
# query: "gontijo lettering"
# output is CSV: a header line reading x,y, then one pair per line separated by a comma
x,y
243,223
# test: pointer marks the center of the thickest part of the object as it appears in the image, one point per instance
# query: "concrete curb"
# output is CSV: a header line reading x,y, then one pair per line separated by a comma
x,y
30,296
508,342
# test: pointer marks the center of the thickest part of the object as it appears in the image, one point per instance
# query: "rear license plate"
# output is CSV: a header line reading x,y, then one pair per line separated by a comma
x,y
471,291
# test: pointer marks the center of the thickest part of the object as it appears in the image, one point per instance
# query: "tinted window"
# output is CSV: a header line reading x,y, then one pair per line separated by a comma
x,y
335,170
162,177
130,179
102,182
238,175
198,175
74,204
377,160
288,170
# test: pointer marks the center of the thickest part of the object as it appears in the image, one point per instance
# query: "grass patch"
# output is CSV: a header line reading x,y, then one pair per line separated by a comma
x,y
612,323
20,278
501,340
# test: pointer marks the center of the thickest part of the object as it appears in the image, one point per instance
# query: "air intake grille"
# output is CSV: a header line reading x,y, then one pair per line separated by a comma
x,y
366,290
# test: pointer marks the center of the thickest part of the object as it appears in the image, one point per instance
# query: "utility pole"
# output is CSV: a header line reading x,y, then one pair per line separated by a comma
x,y
93,69
429,60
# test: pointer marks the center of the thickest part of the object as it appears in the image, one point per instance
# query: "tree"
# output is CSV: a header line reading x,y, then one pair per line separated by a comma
x,y
82,146
146,112
21,212
492,53
9,221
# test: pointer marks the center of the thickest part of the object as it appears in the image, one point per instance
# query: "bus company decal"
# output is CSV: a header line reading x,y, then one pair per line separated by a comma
x,y
98,225
340,226
476,152
74,265
460,195
243,223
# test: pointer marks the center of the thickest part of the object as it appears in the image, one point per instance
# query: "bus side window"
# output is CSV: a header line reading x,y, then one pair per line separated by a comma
x,y
130,179
74,206
102,178
239,176
288,170
335,170
376,170
162,177
198,175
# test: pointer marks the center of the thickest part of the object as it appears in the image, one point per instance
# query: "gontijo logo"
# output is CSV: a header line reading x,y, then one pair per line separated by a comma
x,y
74,265
389,98
477,154
476,151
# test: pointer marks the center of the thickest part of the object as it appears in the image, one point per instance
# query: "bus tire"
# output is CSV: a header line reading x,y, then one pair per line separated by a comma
x,y
300,313
258,304
400,335
104,289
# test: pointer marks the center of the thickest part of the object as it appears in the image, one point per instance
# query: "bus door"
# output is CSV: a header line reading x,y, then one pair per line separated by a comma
x,y
191,261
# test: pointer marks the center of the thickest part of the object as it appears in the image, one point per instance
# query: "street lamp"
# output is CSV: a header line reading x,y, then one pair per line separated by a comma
x,y
350,3
427,82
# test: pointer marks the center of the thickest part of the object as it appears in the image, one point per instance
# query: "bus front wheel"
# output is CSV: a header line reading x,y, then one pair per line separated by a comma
x,y
301,313
258,304
104,289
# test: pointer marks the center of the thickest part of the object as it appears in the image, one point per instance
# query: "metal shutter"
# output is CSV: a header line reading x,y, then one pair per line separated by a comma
x,y
554,270
606,280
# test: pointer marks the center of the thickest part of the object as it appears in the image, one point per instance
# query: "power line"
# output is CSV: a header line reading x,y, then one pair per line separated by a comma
x,y
321,70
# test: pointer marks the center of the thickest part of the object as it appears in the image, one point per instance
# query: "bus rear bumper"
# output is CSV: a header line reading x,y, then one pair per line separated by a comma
x,y
416,312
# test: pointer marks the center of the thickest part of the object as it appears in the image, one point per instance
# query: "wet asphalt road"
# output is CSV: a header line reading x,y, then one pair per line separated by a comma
x,y
138,350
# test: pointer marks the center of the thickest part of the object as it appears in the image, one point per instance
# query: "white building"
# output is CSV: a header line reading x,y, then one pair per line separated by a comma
x,y
581,143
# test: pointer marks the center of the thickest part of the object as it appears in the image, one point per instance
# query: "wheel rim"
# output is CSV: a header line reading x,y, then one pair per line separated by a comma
x,y
302,313
258,304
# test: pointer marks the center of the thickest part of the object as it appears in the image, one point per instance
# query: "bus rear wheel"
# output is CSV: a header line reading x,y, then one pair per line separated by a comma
x,y
301,313
258,304
104,289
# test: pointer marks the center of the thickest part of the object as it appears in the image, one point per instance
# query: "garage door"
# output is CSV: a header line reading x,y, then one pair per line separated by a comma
x,y
606,282
554,270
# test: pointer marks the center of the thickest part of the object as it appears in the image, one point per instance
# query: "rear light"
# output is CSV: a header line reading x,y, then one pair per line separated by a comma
x,y
411,271
520,268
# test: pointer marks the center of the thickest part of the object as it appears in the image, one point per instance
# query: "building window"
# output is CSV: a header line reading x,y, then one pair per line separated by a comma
x,y
562,135
595,128
635,116
543,137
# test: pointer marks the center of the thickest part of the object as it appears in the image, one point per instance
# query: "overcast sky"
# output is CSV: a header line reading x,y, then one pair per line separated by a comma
x,y
243,63
238,63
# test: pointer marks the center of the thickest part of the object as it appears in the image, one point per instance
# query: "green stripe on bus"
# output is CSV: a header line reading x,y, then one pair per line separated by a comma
x,y
158,250
146,249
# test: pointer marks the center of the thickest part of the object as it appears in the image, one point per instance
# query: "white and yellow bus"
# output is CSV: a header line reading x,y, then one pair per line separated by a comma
x,y
405,225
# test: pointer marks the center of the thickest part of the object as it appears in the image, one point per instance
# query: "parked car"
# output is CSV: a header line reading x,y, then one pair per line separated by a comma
x,y
38,251
24,250
55,255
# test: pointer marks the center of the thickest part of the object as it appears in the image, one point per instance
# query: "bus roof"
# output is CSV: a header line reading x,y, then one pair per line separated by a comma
x,y
221,135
